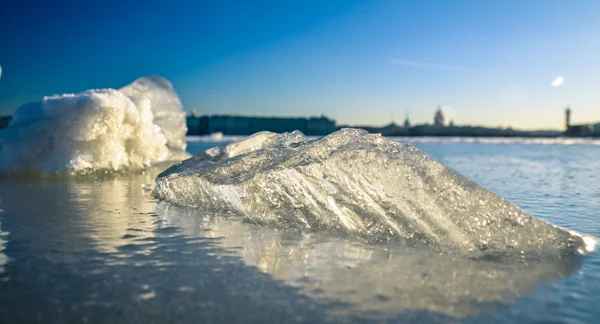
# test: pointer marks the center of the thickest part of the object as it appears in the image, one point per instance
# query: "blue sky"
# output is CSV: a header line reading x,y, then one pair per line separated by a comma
x,y
360,62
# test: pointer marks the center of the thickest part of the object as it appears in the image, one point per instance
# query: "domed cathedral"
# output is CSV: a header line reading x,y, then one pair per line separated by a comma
x,y
438,118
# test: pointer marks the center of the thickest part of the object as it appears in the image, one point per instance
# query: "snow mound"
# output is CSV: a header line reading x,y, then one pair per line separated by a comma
x,y
360,183
165,105
106,129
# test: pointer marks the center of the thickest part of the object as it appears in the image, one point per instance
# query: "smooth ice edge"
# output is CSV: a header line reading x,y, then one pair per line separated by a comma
x,y
107,129
361,183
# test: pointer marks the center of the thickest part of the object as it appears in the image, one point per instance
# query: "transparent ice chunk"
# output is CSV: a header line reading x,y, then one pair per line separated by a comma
x,y
360,183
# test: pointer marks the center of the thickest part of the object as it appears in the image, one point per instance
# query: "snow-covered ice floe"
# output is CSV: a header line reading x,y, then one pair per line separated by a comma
x,y
106,129
361,183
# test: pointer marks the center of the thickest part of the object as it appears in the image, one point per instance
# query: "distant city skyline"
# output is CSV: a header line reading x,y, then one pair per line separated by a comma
x,y
510,64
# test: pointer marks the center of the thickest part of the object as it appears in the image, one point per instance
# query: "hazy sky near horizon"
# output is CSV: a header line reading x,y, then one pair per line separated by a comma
x,y
359,62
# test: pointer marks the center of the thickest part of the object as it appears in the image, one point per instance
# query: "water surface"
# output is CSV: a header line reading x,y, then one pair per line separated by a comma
x,y
103,250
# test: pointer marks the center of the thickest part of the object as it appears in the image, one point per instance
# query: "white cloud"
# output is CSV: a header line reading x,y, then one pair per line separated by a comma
x,y
558,81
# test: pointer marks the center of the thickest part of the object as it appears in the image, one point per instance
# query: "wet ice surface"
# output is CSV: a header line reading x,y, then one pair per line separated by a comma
x,y
105,251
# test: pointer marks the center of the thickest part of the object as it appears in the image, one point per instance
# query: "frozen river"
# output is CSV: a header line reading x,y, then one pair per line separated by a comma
x,y
104,250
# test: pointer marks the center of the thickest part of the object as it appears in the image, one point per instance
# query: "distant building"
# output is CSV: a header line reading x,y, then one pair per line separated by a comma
x,y
244,125
406,122
438,118
392,130
583,130
580,130
319,126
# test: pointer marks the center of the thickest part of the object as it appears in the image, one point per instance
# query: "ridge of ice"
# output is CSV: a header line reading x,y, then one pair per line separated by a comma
x,y
105,129
360,183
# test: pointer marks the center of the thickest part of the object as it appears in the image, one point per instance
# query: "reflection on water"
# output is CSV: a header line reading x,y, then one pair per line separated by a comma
x,y
381,280
103,250
113,210
94,249
97,251
3,257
